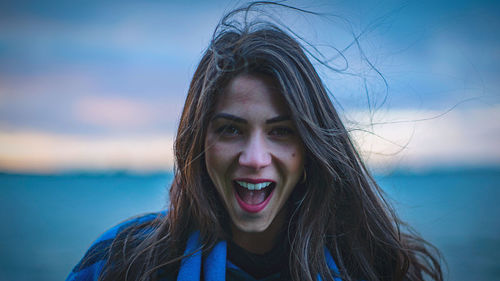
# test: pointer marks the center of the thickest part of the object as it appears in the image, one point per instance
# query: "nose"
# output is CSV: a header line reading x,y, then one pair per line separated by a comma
x,y
255,154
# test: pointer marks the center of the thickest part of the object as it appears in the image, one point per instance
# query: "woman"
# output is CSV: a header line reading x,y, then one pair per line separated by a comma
x,y
268,185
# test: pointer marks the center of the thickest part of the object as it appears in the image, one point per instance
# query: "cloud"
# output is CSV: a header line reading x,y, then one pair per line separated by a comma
x,y
392,139
31,151
427,139
115,112
79,103
124,69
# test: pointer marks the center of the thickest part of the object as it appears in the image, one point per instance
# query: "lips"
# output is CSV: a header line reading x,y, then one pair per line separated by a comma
x,y
253,194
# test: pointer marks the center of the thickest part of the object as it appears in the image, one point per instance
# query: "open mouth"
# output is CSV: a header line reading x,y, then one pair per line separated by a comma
x,y
253,197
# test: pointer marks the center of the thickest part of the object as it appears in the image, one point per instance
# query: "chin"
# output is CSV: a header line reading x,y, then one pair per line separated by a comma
x,y
254,227
251,225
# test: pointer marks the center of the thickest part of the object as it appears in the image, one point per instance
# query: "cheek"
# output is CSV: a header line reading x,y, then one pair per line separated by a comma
x,y
217,160
212,158
297,161
294,158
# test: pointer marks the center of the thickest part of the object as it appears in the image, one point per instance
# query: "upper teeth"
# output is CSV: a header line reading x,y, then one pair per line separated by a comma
x,y
256,186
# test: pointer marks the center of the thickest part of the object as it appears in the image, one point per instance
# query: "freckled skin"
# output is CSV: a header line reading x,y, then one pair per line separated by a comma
x,y
257,150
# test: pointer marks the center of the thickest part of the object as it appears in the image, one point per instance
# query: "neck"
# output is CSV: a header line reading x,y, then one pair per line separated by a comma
x,y
261,242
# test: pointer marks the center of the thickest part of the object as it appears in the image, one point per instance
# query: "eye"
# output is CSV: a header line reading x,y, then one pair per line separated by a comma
x,y
228,130
282,132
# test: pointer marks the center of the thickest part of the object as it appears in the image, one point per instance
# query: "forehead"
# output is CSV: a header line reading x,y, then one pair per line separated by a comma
x,y
252,92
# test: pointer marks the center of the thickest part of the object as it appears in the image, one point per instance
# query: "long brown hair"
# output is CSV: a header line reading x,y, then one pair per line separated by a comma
x,y
339,206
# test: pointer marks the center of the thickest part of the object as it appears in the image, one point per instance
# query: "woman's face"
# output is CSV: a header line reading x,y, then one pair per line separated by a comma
x,y
254,155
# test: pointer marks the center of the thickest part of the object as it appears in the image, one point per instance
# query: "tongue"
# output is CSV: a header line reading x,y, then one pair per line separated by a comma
x,y
252,197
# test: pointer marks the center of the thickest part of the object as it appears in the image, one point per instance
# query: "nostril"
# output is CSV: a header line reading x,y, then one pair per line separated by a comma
x,y
255,153
254,160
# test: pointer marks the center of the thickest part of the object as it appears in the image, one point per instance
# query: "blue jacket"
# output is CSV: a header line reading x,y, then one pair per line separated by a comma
x,y
214,263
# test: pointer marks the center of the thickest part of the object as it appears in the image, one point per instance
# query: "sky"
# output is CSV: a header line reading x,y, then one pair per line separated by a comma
x,y
96,85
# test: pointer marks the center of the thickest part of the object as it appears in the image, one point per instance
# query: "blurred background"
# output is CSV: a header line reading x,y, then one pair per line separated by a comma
x,y
91,93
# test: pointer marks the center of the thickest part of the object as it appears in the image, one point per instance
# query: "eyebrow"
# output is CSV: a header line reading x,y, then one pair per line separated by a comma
x,y
237,119
229,117
277,119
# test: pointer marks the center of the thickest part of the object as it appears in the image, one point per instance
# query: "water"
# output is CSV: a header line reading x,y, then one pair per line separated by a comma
x,y
49,221
456,211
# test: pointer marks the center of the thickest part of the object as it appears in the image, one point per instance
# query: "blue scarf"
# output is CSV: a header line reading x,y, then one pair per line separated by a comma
x,y
214,264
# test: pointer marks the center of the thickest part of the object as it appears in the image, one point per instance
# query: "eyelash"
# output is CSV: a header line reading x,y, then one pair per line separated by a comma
x,y
282,132
230,130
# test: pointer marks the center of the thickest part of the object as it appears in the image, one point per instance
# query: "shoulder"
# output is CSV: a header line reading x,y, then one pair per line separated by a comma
x,y
94,260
